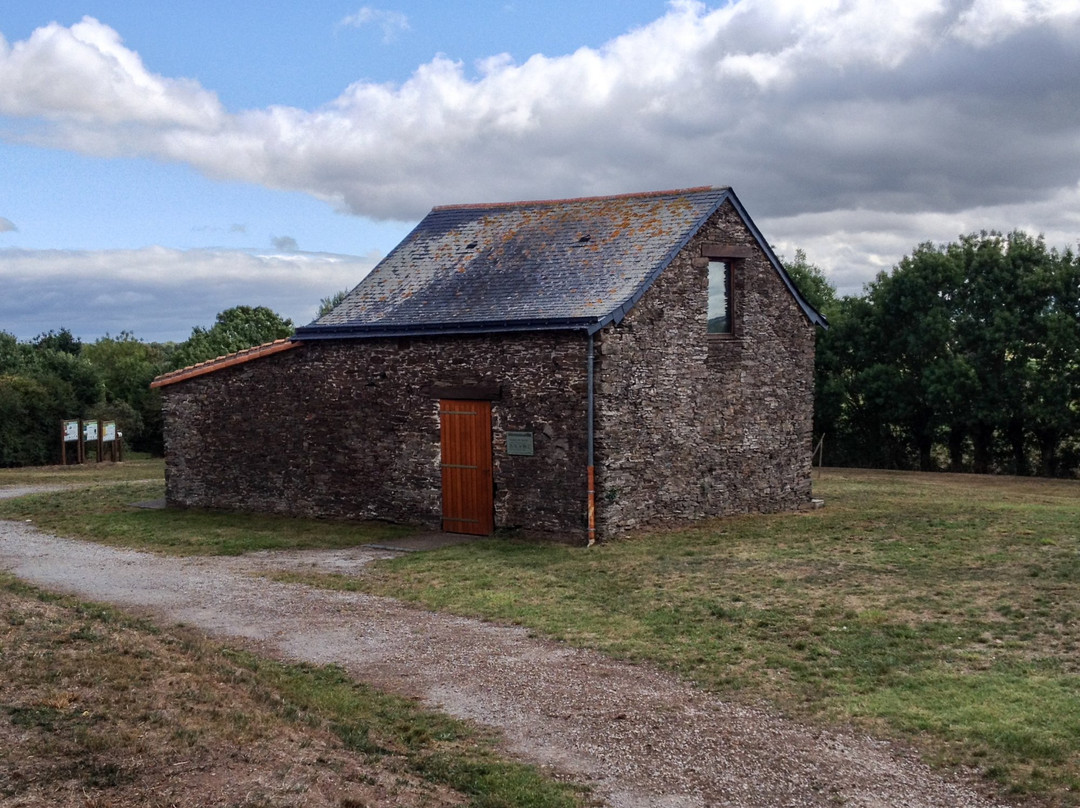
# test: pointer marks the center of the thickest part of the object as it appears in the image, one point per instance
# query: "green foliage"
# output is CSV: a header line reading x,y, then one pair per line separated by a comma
x,y
62,340
56,376
127,366
40,384
965,355
328,304
24,406
234,330
812,282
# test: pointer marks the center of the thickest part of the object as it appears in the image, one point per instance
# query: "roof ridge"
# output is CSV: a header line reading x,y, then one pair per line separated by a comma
x,y
637,195
225,360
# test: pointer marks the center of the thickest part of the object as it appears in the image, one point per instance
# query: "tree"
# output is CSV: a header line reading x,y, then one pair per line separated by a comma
x,y
846,409
1052,398
25,412
10,353
62,340
40,384
234,330
914,329
56,376
998,323
811,281
126,367
971,347
829,379
328,304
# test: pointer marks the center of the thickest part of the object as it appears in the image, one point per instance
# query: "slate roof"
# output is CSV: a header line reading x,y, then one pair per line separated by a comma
x,y
556,264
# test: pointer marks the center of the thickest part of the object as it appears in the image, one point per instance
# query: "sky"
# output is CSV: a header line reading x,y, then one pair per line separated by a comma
x,y
160,163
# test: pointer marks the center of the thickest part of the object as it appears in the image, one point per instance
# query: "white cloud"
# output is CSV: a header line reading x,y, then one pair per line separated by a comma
x,y
873,118
853,246
391,23
85,75
989,21
160,294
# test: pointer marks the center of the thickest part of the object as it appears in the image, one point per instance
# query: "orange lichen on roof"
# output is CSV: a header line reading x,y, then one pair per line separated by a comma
x,y
226,361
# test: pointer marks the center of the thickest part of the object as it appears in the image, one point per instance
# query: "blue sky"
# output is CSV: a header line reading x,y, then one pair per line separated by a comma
x,y
162,162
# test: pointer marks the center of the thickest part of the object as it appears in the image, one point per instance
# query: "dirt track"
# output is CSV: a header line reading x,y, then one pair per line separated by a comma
x,y
639,737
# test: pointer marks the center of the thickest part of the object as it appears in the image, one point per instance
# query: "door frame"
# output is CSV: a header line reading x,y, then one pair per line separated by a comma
x,y
466,464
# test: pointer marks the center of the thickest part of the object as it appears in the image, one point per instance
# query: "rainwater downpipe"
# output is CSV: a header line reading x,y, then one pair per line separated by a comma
x,y
589,432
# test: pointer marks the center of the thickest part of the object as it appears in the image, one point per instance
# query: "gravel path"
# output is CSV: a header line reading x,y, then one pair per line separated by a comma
x,y
12,491
638,736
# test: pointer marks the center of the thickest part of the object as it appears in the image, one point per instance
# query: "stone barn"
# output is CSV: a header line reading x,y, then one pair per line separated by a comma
x,y
578,368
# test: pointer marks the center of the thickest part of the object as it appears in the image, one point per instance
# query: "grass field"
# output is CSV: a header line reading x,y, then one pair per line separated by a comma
x,y
86,474
98,709
940,609
943,610
100,509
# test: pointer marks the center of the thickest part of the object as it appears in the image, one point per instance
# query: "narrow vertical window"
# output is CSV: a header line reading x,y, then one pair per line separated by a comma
x,y
719,297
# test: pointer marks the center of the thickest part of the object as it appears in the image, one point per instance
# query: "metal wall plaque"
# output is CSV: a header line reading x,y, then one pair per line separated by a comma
x,y
519,443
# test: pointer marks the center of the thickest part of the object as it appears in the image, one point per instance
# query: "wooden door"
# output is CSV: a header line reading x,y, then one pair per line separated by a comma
x,y
468,499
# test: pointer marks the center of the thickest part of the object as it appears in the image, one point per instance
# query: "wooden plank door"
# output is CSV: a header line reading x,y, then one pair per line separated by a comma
x,y
468,498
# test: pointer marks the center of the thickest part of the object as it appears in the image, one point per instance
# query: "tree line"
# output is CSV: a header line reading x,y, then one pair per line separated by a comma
x,y
57,376
964,357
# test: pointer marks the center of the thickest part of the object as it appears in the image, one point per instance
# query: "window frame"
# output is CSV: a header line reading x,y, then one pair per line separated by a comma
x,y
733,256
729,302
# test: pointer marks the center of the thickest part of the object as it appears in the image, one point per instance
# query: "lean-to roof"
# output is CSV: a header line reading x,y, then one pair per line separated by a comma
x,y
228,360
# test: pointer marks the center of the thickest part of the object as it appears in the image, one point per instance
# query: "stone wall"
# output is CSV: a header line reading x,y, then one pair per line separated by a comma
x,y
350,429
690,425
687,425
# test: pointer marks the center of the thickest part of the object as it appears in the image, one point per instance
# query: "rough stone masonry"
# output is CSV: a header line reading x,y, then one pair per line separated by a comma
x,y
687,425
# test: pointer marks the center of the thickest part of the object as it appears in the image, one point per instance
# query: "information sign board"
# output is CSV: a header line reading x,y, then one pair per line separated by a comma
x,y
90,431
108,431
519,443
71,431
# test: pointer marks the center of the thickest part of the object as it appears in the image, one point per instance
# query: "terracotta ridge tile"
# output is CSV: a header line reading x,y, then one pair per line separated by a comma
x,y
225,360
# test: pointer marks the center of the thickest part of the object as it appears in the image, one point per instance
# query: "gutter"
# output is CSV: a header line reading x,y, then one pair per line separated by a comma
x,y
375,331
589,426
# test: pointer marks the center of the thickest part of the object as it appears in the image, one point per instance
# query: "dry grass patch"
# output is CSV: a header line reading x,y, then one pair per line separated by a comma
x,y
85,474
100,710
